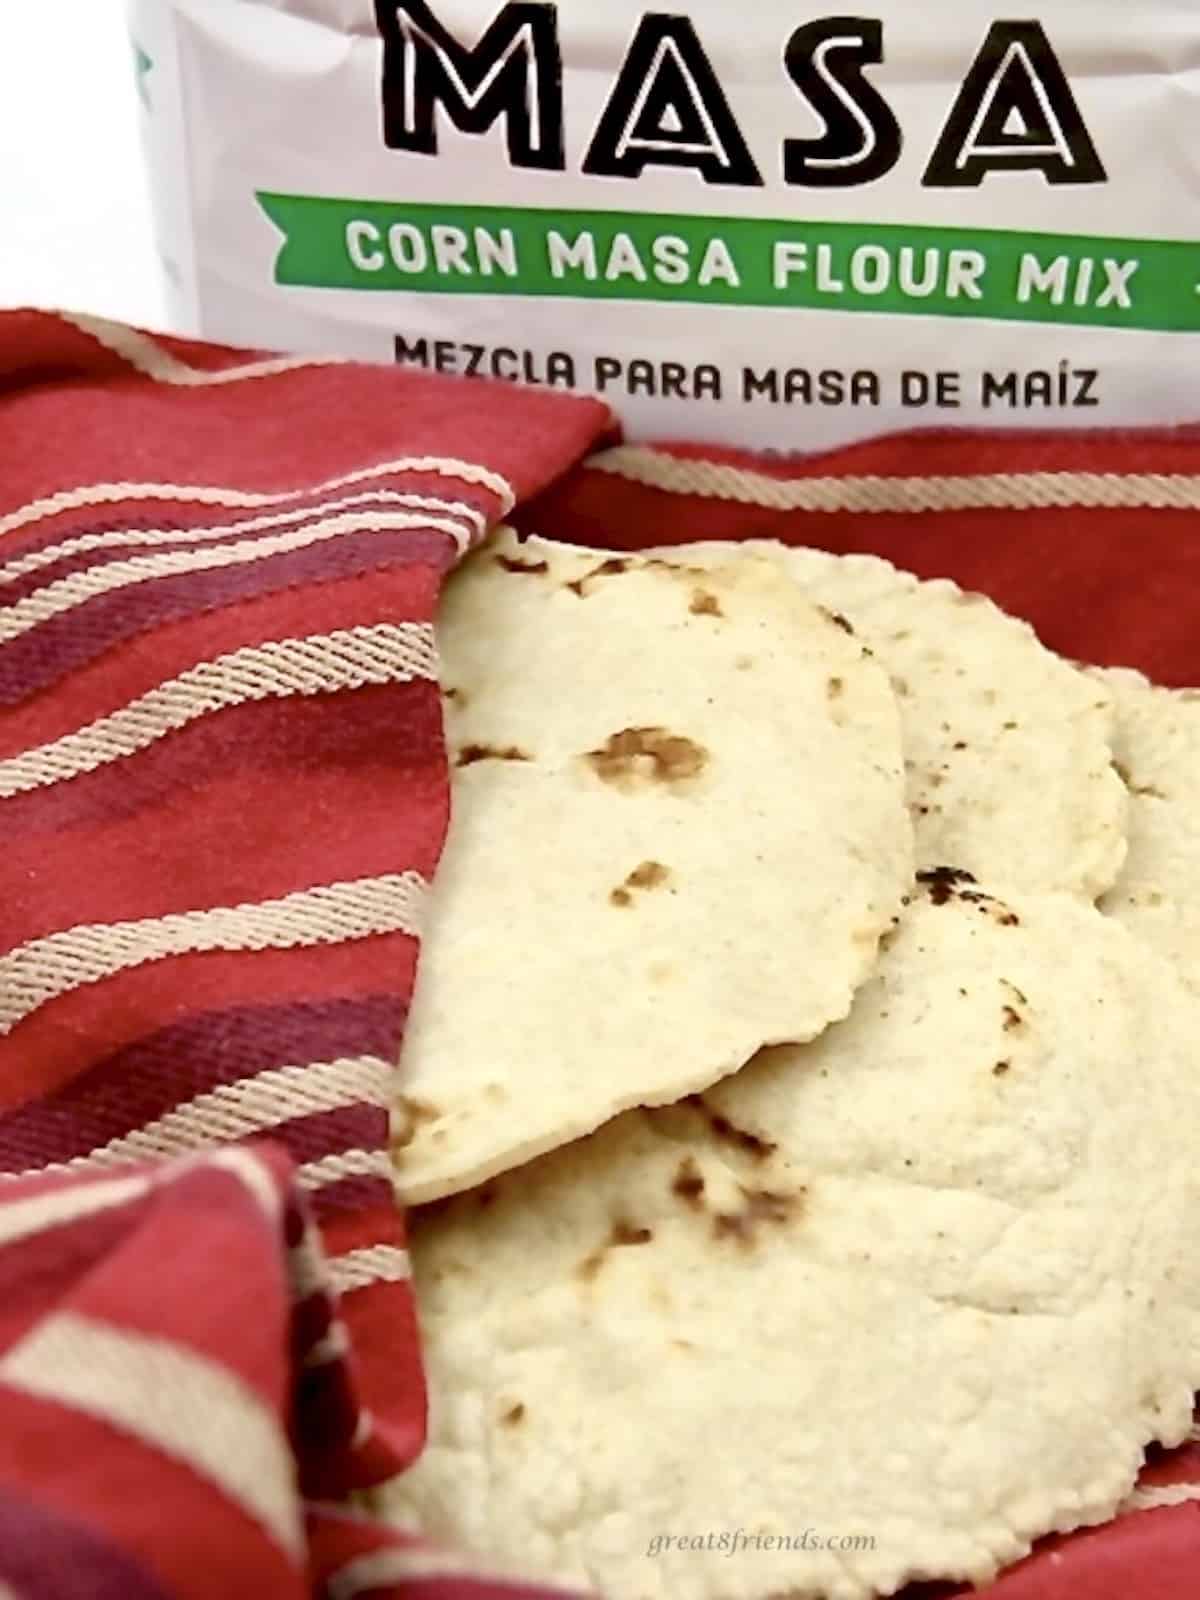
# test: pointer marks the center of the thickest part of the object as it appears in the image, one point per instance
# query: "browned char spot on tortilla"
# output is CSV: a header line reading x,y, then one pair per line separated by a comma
x,y
516,564
626,1233
688,1183
705,604
953,883
653,753
650,875
514,1415
607,569
759,1206
837,619
680,568
470,754
749,1143
623,1235
944,883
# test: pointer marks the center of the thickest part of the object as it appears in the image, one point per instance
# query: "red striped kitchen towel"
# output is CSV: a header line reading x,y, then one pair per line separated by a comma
x,y
223,794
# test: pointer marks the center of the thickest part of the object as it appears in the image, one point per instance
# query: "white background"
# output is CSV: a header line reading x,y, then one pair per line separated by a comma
x,y
75,226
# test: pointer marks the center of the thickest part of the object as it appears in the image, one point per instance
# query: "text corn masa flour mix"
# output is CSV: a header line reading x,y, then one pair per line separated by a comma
x,y
764,224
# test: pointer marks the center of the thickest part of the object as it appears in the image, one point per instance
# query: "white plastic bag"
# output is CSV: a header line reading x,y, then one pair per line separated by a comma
x,y
764,224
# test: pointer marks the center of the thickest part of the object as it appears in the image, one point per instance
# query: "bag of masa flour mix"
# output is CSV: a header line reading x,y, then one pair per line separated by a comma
x,y
769,224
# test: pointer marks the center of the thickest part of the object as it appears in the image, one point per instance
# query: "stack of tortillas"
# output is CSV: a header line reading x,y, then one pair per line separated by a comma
x,y
812,1152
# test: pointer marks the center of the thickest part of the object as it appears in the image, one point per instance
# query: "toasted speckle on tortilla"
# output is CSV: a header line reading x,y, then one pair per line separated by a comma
x,y
649,755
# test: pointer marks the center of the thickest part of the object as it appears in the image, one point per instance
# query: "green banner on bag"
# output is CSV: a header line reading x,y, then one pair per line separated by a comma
x,y
612,255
